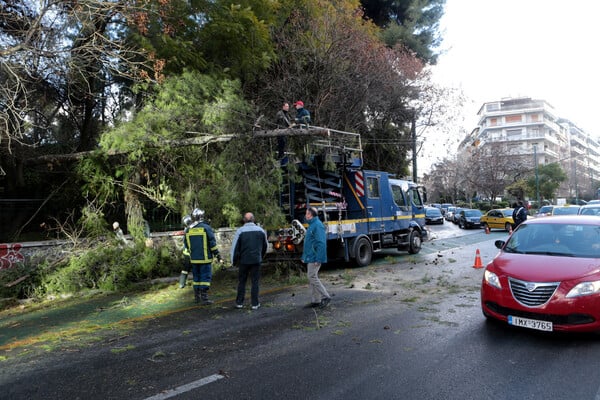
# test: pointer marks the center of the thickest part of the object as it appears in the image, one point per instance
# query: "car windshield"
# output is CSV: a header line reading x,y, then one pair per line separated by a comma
x,y
433,212
545,209
556,239
507,213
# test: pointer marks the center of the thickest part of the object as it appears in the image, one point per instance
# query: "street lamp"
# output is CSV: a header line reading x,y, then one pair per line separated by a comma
x,y
537,180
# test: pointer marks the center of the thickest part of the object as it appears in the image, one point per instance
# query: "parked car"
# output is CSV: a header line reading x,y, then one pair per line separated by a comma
x,y
450,213
469,218
590,209
544,211
456,214
567,209
498,219
445,207
546,276
433,215
593,202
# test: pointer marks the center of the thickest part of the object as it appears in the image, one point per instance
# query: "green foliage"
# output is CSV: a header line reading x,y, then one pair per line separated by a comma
x,y
254,182
414,23
92,221
236,38
108,267
550,176
20,281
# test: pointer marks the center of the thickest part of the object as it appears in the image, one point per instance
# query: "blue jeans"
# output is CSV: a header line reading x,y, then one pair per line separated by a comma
x,y
243,271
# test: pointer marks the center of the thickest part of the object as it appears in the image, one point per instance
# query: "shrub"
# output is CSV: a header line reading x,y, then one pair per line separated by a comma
x,y
110,267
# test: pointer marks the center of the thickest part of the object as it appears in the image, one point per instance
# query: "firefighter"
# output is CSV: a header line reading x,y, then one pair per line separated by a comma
x,y
201,243
186,221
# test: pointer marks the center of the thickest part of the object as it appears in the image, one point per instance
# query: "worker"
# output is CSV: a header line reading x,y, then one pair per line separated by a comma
x,y
200,241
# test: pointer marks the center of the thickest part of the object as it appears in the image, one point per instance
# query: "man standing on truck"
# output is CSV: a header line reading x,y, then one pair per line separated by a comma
x,y
283,121
302,114
315,254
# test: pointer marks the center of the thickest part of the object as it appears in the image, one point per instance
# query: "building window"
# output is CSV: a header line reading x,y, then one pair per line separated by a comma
x,y
513,132
535,118
492,107
493,121
513,118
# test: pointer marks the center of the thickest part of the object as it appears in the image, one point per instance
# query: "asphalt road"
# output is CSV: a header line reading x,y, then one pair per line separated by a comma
x,y
411,329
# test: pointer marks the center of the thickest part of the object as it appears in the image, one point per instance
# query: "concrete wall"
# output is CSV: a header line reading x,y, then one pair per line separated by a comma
x,y
12,253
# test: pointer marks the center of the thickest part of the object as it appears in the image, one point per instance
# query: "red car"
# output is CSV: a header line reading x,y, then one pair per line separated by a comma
x,y
546,276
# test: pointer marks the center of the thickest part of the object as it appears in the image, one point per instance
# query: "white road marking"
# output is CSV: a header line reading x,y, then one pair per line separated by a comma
x,y
185,388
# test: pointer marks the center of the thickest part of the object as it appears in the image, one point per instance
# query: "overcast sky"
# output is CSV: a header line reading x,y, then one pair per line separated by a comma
x,y
543,49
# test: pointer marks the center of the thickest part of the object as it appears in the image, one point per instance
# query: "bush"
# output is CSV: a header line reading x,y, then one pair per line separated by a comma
x,y
19,282
110,267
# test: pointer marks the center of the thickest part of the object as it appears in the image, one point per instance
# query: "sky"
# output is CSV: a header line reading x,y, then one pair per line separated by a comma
x,y
543,49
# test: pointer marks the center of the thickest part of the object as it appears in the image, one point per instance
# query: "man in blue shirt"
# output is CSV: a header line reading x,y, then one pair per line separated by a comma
x,y
314,254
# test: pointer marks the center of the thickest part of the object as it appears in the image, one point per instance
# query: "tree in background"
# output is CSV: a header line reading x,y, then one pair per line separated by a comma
x,y
412,23
550,176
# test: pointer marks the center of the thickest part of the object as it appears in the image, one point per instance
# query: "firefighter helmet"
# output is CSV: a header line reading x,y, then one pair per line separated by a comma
x,y
186,221
198,214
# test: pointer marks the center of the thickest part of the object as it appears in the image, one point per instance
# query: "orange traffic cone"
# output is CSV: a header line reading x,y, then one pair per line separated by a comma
x,y
478,263
487,230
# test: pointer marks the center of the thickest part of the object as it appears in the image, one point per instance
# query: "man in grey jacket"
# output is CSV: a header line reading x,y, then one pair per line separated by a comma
x,y
248,248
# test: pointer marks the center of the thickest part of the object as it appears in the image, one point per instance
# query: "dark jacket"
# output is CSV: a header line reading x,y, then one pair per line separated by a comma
x,y
519,215
249,245
315,242
283,119
200,241
302,116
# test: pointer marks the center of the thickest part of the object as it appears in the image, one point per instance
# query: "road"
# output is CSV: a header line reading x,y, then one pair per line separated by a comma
x,y
411,329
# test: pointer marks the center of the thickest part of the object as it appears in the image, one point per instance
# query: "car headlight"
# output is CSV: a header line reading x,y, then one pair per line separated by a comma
x,y
584,289
492,279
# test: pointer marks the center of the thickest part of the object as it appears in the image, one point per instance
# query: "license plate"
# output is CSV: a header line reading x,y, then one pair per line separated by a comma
x,y
530,323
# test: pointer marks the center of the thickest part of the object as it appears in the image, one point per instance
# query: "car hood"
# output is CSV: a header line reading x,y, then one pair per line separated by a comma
x,y
542,268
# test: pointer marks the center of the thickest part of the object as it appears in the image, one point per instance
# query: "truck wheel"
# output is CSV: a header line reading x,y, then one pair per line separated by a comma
x,y
414,242
363,253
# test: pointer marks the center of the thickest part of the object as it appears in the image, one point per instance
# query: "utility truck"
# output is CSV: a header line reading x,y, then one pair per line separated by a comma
x,y
364,211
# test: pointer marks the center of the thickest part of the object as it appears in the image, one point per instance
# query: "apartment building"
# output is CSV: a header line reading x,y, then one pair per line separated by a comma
x,y
533,128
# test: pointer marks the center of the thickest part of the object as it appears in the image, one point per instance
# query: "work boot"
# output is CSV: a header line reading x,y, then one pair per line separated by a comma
x,y
197,294
182,279
204,295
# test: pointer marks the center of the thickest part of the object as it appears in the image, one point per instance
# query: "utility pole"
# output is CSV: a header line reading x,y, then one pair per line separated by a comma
x,y
413,134
537,180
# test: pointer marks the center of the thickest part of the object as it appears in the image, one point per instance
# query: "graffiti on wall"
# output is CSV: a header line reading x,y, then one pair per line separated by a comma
x,y
10,254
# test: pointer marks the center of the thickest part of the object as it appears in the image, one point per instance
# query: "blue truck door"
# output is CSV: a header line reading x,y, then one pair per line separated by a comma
x,y
374,203
403,209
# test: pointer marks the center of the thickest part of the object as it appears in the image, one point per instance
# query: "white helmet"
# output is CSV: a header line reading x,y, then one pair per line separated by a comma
x,y
115,225
198,214
187,220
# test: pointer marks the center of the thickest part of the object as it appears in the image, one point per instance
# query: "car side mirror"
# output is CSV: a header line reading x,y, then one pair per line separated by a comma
x,y
499,244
